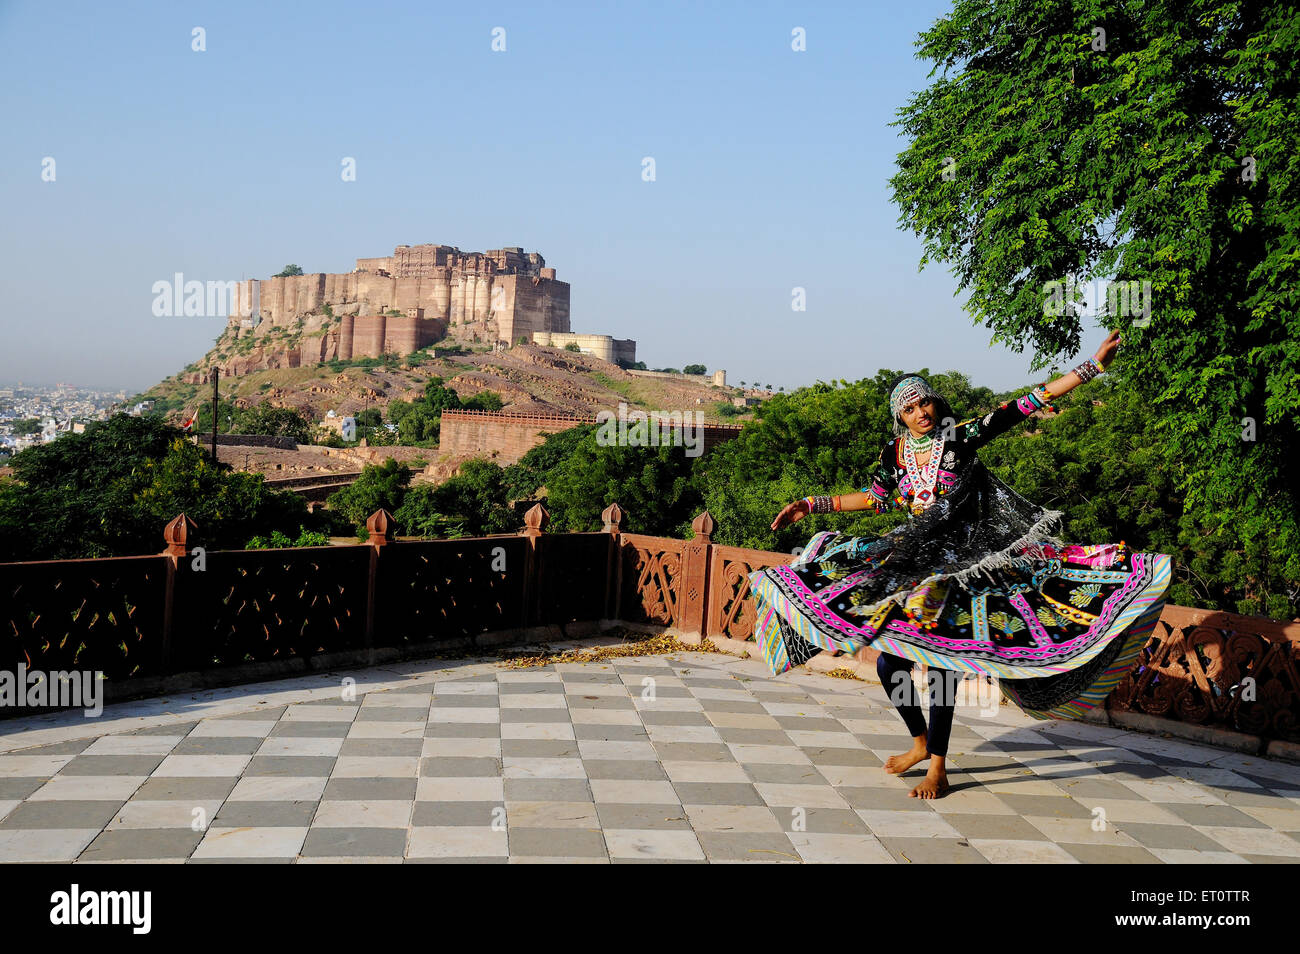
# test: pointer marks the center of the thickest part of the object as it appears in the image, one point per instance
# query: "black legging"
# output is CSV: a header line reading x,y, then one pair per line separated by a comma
x,y
896,676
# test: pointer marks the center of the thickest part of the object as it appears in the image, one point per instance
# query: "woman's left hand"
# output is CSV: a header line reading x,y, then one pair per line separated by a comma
x,y
1106,353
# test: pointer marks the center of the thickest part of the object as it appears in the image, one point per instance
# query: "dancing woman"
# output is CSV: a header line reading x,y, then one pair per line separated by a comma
x,y
974,582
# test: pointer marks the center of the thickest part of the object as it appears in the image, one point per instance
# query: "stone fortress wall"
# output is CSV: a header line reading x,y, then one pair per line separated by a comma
x,y
499,295
604,347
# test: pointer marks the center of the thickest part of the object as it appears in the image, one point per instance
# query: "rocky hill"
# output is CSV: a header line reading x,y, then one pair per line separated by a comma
x,y
526,377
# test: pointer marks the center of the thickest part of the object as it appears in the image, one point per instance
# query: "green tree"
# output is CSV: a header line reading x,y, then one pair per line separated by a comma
x,y
279,539
287,271
1159,153
473,503
651,484
695,369
531,472
265,418
420,427
483,401
110,490
380,486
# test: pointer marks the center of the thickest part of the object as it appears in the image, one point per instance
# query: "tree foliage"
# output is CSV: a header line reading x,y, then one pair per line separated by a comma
x,y
1163,149
110,491
380,486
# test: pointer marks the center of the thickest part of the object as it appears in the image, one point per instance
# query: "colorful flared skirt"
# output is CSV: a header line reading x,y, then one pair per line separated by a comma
x,y
1056,626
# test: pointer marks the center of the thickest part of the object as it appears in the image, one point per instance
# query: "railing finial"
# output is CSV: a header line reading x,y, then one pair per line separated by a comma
x,y
613,516
177,535
535,520
380,525
703,526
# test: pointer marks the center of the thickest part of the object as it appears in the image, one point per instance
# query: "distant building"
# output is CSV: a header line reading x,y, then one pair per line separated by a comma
x,y
604,347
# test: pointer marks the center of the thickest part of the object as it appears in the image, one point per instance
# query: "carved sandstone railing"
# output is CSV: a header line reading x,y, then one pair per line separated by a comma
x,y
186,610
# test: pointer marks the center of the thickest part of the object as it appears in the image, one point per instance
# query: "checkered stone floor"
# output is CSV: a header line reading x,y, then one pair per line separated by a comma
x,y
687,758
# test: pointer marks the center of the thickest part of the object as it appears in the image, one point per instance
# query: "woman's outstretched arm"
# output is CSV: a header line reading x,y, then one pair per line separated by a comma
x,y
979,431
1072,379
794,512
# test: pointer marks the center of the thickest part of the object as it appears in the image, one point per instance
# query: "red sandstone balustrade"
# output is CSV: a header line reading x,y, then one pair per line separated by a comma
x,y
186,609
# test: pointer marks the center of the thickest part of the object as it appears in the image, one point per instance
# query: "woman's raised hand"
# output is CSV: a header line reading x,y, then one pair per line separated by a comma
x,y
791,513
1106,353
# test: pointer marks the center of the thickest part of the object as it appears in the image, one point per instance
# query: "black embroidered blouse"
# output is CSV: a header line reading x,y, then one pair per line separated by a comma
x,y
919,486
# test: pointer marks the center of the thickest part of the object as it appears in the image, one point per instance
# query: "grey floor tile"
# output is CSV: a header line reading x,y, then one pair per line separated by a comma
x,y
540,748
366,842
448,814
735,735
1002,827
557,843
263,714
598,702
462,730
943,851
217,745
809,723
1169,836
291,766
1044,806
747,846
1091,787
535,715
821,821
616,815
390,714
56,813
446,766
547,790
653,716
19,788
122,844
624,769
367,789
784,774
591,732
456,700
198,789
693,752
1205,815
717,793
175,728
308,729
382,748
112,765
1111,854
841,756
71,747
271,814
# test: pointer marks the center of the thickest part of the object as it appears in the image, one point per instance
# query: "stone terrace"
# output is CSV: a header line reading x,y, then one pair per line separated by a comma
x,y
688,757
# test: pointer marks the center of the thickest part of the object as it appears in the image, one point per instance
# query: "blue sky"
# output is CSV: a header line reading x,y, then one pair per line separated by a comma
x,y
771,173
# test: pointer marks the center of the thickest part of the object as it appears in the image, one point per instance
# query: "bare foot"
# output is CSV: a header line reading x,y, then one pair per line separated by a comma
x,y
897,764
935,784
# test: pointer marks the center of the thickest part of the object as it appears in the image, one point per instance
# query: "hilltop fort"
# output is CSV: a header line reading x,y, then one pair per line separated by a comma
x,y
401,303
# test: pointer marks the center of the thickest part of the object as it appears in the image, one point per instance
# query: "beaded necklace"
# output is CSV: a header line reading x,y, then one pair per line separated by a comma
x,y
923,478
920,444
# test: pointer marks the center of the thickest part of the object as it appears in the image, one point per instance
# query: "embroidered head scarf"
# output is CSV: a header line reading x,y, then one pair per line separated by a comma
x,y
908,391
